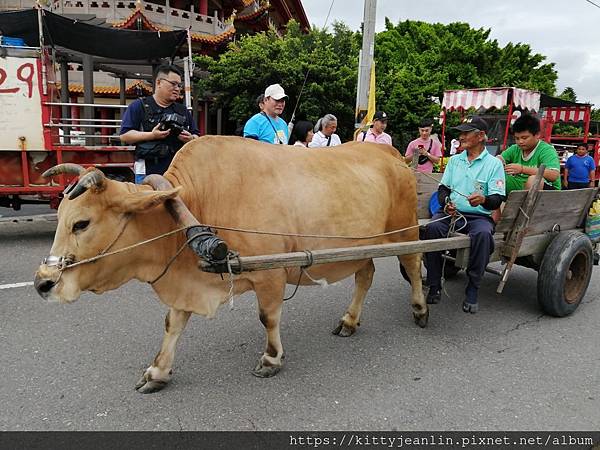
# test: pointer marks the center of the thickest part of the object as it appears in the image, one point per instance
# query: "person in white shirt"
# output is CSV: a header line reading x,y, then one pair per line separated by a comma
x,y
325,132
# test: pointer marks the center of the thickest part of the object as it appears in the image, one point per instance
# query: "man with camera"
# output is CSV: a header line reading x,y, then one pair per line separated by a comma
x,y
158,125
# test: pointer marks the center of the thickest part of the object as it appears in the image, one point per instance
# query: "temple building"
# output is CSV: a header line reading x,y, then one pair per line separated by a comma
x,y
211,23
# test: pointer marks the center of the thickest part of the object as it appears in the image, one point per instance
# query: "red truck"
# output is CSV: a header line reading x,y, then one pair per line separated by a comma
x,y
42,124
34,136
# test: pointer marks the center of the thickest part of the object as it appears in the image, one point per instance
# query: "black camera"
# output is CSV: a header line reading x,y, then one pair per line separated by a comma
x,y
174,122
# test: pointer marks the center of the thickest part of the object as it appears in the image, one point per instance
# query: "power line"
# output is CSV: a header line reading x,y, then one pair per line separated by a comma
x,y
595,4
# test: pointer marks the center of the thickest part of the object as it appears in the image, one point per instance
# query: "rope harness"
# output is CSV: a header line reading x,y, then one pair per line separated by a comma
x,y
65,262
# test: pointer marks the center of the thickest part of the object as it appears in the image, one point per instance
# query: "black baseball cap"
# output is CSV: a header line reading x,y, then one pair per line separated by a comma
x,y
380,115
474,123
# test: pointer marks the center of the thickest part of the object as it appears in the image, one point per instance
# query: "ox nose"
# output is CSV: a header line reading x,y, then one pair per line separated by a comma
x,y
43,285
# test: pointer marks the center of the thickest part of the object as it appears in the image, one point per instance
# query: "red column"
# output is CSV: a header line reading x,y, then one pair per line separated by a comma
x,y
203,7
105,132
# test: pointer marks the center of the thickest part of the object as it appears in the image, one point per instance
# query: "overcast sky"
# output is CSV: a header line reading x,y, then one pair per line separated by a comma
x,y
566,32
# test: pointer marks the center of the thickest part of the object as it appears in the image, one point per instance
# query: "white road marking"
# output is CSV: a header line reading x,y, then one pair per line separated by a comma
x,y
16,285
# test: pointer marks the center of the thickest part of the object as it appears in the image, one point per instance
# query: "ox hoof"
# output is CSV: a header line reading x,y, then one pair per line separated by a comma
x,y
343,330
421,319
146,386
262,371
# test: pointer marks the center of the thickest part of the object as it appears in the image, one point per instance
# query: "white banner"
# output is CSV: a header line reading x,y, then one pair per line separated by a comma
x,y
20,104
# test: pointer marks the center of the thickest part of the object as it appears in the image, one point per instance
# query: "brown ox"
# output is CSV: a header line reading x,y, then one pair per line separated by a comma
x,y
357,189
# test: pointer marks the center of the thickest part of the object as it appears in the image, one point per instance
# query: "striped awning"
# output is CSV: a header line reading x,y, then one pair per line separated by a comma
x,y
566,113
490,98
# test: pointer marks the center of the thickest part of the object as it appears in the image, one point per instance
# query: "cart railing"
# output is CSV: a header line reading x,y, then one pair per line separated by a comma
x,y
100,127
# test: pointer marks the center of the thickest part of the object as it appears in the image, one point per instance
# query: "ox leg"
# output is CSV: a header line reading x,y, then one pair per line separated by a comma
x,y
351,319
159,373
412,265
270,303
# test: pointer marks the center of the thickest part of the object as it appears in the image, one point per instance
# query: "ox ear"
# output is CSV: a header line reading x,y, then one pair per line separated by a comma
x,y
143,201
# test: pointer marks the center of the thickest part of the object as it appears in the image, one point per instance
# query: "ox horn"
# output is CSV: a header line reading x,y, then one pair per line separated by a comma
x,y
93,178
69,168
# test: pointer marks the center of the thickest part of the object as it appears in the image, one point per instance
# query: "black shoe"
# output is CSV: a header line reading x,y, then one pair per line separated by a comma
x,y
470,304
470,307
433,296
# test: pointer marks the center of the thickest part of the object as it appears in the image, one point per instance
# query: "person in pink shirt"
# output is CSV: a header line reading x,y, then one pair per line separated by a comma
x,y
429,151
377,132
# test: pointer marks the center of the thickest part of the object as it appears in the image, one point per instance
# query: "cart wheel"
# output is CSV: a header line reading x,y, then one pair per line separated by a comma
x,y
565,273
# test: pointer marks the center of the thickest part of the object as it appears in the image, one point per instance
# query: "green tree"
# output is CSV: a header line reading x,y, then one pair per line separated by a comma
x,y
415,63
568,94
249,65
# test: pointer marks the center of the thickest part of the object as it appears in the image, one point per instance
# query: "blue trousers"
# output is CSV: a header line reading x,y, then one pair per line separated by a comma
x,y
481,230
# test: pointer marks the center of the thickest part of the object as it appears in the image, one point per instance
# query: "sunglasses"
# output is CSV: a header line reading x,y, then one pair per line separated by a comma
x,y
175,84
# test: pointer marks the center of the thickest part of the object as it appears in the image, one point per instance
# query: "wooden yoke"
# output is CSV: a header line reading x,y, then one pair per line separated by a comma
x,y
201,239
510,249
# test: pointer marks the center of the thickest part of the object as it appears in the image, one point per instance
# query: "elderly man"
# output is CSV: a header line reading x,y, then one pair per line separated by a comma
x,y
158,125
267,125
428,150
472,185
377,132
325,132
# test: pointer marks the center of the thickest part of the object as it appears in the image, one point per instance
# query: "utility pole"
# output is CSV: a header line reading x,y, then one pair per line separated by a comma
x,y
365,60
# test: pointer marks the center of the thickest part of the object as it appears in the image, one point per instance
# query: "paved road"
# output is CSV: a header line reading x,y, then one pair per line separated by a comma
x,y
73,367
26,210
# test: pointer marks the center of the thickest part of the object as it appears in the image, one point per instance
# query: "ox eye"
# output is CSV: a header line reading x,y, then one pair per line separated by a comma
x,y
80,225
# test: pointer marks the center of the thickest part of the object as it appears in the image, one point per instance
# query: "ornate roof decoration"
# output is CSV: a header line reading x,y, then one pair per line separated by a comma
x,y
130,21
214,38
76,88
256,14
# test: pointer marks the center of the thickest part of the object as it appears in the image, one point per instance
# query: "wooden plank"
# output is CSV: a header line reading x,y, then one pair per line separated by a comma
x,y
325,256
515,236
551,204
531,245
510,211
426,185
566,209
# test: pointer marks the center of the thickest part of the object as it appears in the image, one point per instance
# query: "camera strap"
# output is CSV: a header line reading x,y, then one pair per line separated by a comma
x,y
424,159
272,126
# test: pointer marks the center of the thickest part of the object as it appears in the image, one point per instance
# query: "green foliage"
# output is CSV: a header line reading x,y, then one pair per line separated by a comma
x,y
239,75
415,62
565,129
568,94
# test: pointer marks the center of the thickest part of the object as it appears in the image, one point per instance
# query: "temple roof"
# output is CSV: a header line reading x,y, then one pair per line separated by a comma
x,y
109,91
213,39
254,15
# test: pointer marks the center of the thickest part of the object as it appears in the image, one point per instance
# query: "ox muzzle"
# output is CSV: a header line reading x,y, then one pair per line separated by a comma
x,y
49,274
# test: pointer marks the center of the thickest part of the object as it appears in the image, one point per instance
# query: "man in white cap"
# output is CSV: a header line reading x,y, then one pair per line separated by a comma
x,y
267,126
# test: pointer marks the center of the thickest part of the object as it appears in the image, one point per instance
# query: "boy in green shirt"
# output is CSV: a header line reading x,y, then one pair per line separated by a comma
x,y
521,160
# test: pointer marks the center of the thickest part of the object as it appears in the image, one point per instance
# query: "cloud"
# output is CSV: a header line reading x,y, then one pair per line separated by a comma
x,y
565,33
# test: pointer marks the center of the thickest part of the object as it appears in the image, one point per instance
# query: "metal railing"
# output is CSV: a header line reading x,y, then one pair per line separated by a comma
x,y
114,11
86,131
